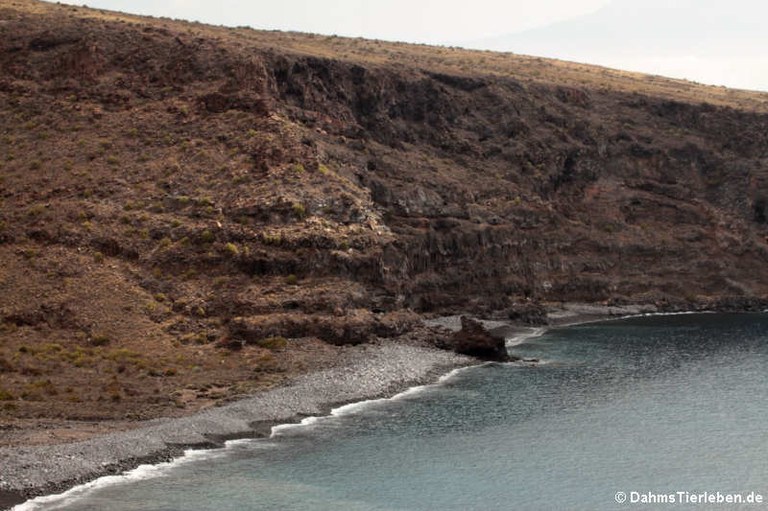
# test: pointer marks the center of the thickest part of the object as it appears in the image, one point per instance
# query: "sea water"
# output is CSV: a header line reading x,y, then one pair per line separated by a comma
x,y
616,415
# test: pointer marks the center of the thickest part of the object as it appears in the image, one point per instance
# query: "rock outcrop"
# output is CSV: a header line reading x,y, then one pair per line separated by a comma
x,y
475,340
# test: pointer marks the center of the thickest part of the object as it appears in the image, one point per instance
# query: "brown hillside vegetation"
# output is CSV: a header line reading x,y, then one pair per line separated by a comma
x,y
172,191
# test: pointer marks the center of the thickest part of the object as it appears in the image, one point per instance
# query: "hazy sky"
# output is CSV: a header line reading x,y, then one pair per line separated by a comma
x,y
711,41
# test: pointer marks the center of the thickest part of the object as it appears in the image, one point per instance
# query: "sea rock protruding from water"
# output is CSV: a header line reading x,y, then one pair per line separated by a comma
x,y
475,340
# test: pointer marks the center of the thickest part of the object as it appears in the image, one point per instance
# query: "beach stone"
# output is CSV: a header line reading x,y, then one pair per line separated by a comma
x,y
475,340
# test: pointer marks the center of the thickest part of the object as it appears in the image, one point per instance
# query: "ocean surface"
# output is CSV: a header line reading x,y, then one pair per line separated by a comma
x,y
647,406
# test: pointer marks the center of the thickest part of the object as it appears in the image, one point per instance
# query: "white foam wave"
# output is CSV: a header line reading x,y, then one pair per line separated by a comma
x,y
646,315
352,408
522,337
307,421
140,473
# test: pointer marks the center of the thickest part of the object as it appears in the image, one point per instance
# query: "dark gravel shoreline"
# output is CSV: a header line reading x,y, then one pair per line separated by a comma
x,y
370,372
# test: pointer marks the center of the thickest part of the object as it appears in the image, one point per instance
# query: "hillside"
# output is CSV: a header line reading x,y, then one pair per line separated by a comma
x,y
173,191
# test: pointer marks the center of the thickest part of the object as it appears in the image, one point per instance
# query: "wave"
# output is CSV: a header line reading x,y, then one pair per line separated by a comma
x,y
140,473
522,337
357,406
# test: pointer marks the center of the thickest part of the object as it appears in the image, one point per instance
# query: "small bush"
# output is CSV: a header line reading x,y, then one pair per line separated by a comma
x,y
6,395
299,210
273,343
205,201
36,210
207,236
123,355
232,249
292,280
193,338
272,239
100,340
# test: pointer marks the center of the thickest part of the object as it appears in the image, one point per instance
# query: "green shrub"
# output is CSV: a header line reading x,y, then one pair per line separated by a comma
x,y
299,210
232,249
272,239
292,280
273,343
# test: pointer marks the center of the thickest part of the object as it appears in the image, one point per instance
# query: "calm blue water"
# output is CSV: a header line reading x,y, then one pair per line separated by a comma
x,y
656,404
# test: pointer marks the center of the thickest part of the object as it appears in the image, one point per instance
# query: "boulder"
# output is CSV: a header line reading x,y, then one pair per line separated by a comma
x,y
475,340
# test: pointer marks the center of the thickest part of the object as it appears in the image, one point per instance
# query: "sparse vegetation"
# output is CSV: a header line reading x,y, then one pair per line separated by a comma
x,y
100,340
273,343
299,210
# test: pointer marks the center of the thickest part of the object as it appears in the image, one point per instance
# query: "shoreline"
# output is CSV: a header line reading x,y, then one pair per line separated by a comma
x,y
374,371
380,370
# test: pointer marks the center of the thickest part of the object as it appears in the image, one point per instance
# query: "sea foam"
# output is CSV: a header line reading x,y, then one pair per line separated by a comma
x,y
142,472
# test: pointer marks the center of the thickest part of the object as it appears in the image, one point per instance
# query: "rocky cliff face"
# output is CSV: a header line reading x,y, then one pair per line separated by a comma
x,y
169,183
495,189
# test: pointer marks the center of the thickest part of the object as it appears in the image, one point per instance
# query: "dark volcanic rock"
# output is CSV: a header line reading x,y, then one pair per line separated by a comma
x,y
473,339
529,313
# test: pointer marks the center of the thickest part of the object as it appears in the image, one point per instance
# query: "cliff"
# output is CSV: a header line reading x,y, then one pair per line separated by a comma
x,y
169,188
